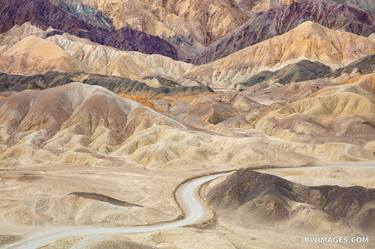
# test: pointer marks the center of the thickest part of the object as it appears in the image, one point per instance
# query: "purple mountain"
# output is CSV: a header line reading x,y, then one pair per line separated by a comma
x,y
43,13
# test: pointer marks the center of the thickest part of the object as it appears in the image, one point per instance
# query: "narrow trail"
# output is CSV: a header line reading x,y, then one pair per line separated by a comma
x,y
188,199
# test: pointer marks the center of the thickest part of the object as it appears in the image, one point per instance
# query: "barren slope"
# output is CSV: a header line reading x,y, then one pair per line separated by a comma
x,y
308,41
280,20
249,197
338,113
192,22
14,82
44,14
67,53
83,124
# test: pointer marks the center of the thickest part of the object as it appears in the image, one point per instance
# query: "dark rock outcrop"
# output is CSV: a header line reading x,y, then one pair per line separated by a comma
x,y
104,198
300,71
12,82
280,20
364,65
44,14
272,195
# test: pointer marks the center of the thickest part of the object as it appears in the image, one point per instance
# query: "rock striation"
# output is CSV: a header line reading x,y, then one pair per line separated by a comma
x,y
193,23
34,52
308,41
278,21
13,82
365,65
44,14
300,71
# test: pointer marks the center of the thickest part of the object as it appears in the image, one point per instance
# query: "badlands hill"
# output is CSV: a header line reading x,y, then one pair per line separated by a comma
x,y
17,33
280,20
13,82
309,70
309,41
271,93
193,22
44,14
300,71
251,6
73,116
103,115
315,111
75,105
364,65
89,125
247,197
341,113
21,54
34,52
190,23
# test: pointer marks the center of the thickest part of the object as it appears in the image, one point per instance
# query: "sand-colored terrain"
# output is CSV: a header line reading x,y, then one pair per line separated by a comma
x,y
107,144
330,113
343,174
44,195
223,233
307,41
67,53
118,163
92,126
199,22
95,136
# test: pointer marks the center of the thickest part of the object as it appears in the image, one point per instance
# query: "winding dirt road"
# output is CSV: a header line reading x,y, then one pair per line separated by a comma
x,y
188,199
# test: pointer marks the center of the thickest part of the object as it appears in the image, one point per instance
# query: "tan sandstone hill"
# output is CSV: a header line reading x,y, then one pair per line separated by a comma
x,y
70,117
342,113
308,41
33,54
255,6
17,33
88,125
36,54
202,20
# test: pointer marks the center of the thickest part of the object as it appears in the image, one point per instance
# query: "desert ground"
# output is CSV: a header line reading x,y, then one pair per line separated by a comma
x,y
39,199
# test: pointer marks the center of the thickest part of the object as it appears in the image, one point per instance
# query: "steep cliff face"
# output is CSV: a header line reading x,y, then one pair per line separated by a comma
x,y
44,14
282,19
